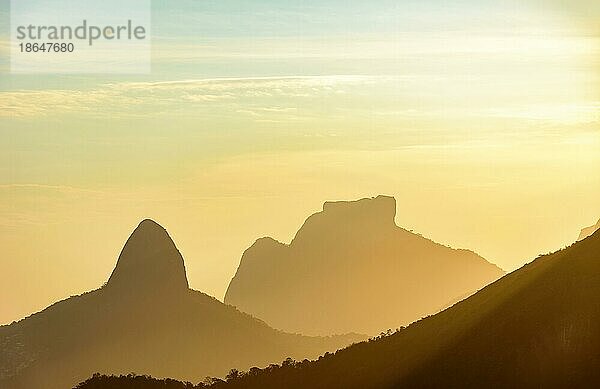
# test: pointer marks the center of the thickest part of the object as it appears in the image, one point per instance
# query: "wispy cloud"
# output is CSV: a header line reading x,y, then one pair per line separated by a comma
x,y
126,96
25,103
46,187
286,98
226,83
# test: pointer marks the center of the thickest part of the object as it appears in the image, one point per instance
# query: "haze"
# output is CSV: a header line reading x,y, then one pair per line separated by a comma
x,y
480,119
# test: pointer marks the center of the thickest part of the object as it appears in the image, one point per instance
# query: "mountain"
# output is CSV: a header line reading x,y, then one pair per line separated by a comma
x,y
144,319
589,231
351,269
537,327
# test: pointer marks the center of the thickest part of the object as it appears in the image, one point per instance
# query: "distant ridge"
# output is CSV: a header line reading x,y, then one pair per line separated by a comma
x,y
147,320
589,231
351,269
537,327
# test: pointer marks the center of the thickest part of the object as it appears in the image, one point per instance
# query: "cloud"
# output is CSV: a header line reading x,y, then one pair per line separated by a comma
x,y
292,98
44,187
245,83
123,98
25,103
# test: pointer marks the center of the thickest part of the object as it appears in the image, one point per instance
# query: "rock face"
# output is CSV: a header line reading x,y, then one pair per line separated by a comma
x,y
589,231
537,327
144,320
149,263
351,269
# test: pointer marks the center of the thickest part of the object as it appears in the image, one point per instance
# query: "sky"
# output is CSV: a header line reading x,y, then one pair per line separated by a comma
x,y
481,118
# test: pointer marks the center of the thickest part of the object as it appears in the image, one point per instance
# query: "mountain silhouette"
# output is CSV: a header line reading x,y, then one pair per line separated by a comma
x,y
585,232
149,263
351,269
537,327
147,320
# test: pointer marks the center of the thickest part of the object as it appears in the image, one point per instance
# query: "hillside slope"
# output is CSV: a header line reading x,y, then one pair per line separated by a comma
x,y
144,320
538,327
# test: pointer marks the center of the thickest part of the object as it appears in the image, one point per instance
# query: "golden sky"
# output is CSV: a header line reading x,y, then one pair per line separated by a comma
x,y
481,119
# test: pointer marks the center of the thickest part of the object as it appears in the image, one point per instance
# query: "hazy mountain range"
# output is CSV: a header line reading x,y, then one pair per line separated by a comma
x,y
537,327
350,268
147,320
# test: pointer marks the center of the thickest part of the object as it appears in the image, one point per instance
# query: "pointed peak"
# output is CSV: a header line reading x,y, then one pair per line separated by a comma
x,y
149,223
149,262
149,229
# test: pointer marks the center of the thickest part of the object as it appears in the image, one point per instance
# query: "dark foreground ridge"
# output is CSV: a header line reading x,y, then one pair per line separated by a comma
x,y
537,327
147,320
351,269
